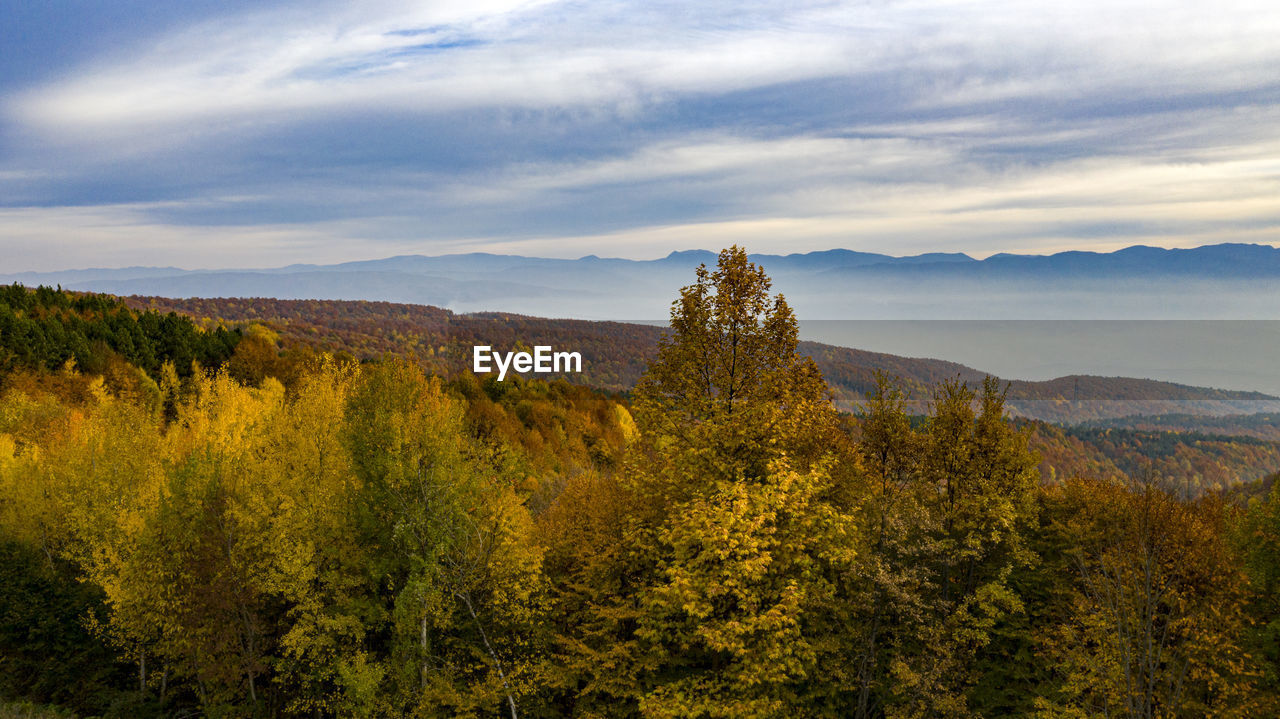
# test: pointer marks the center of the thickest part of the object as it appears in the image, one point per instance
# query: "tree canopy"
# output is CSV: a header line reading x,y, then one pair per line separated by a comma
x,y
269,532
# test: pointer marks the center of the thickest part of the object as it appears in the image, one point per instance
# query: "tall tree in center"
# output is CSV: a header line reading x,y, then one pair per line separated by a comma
x,y
735,537
728,384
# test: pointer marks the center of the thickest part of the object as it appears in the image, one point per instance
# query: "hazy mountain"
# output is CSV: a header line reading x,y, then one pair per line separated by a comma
x,y
1217,281
68,278
388,285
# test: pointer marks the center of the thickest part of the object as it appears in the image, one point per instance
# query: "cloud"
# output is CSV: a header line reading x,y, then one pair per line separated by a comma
x,y
339,131
793,194
129,235
441,57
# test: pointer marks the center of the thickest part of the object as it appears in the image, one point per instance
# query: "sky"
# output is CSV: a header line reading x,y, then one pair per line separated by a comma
x,y
208,134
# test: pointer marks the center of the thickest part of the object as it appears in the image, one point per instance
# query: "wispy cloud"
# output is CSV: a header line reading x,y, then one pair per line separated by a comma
x,y
343,131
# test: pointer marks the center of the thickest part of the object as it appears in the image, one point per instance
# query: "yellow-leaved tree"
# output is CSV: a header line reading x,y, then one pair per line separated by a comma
x,y
729,534
1156,625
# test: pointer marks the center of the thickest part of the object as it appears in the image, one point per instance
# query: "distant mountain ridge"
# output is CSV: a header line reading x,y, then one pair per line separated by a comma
x,y
1214,281
1230,259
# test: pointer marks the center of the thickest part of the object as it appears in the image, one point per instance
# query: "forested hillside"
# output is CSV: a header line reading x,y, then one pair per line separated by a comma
x,y
1261,426
1189,463
46,329
616,354
292,532
283,336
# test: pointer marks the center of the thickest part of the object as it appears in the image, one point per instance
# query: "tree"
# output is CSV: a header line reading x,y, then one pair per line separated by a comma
x,y
256,357
728,387
1157,619
456,575
735,536
1257,538
979,507
888,604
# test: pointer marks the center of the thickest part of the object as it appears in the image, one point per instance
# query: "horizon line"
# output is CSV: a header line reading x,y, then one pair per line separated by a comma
x,y
977,257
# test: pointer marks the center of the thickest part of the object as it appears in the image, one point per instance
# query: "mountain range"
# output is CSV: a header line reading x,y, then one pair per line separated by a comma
x,y
1212,282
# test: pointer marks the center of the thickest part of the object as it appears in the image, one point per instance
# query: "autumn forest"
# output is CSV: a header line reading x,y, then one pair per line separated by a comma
x,y
202,514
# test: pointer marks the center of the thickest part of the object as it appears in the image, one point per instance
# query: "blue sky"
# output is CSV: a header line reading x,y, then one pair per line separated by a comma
x,y
246,134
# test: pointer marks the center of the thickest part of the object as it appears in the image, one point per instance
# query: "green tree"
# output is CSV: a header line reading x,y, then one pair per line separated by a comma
x,y
984,480
451,554
893,580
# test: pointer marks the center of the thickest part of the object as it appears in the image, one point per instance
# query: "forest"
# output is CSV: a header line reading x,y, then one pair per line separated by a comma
x,y
618,353
200,517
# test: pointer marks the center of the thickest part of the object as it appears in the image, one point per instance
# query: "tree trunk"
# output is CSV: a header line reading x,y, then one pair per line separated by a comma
x,y
511,700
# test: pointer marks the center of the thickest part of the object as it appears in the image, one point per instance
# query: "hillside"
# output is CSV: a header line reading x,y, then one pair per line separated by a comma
x,y
42,330
202,506
1186,462
47,329
615,354
1259,426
